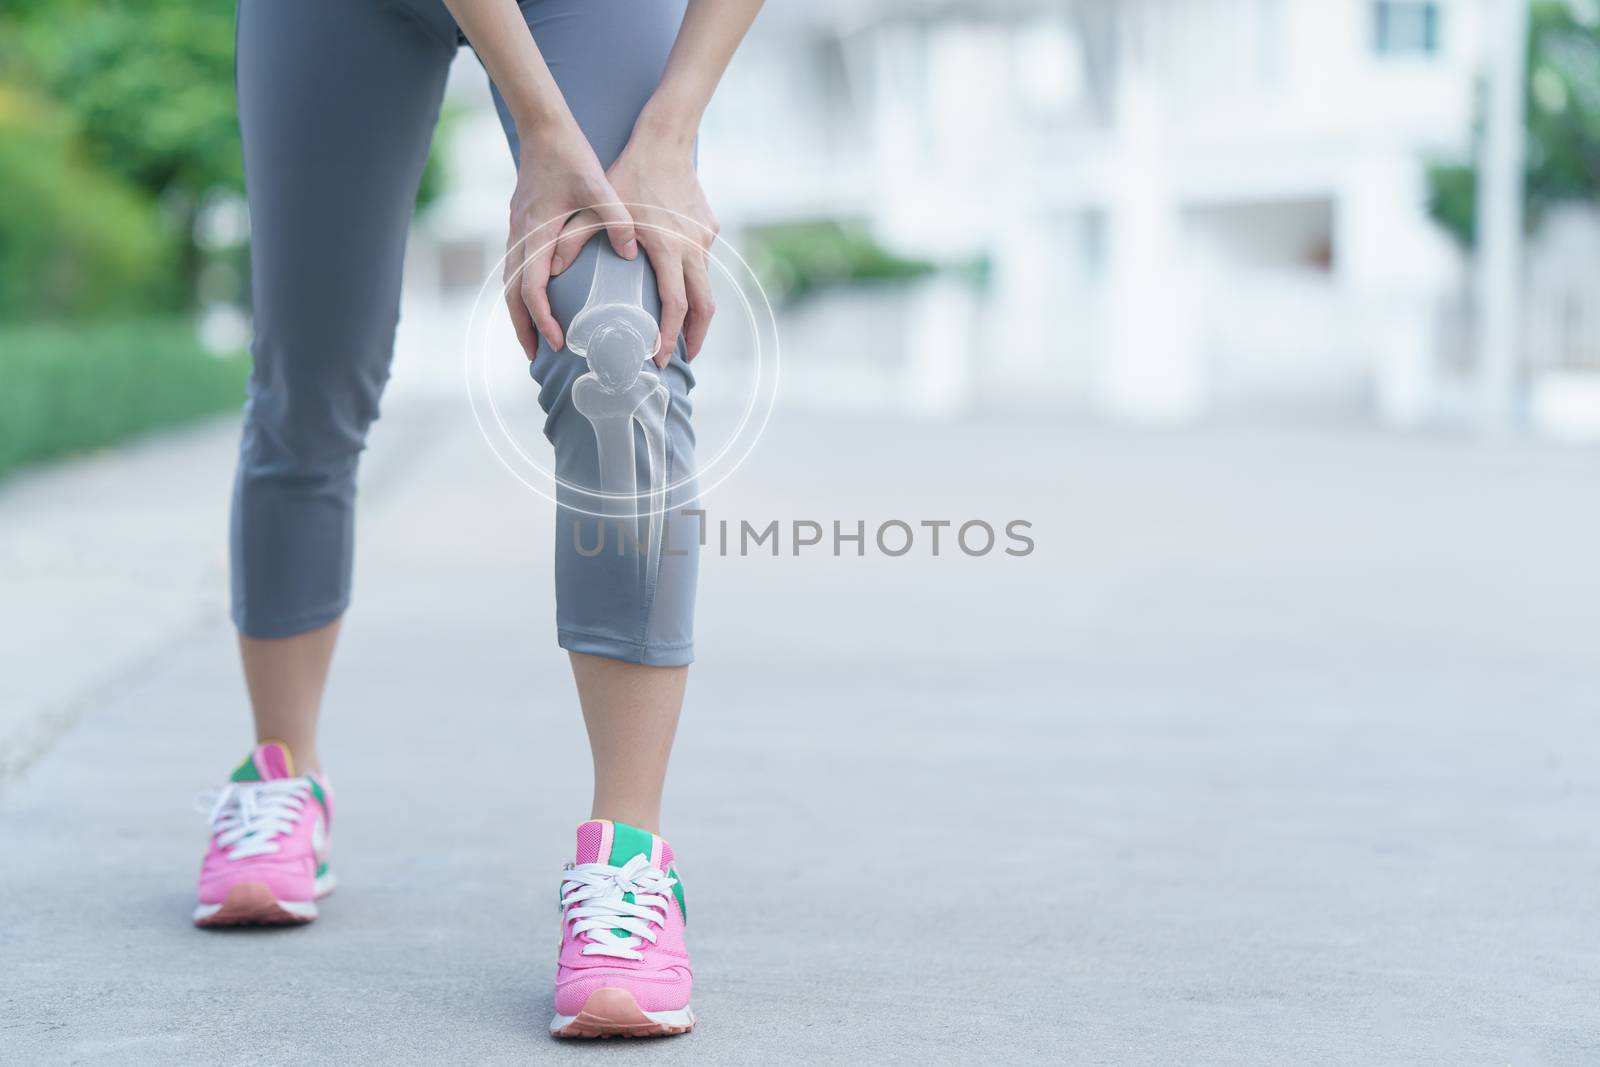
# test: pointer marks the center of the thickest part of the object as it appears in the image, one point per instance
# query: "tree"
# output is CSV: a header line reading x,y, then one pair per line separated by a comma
x,y
147,90
74,240
149,87
1563,123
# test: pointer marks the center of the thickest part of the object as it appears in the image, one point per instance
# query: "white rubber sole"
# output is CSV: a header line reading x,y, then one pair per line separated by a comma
x,y
614,1013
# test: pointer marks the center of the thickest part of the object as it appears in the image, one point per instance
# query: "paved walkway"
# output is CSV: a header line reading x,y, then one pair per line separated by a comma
x,y
1281,748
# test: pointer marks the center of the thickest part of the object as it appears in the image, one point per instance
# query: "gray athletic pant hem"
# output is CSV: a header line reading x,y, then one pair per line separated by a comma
x,y
626,651
293,626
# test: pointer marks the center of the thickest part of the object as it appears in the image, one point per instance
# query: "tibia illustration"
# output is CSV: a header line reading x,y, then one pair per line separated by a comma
x,y
616,336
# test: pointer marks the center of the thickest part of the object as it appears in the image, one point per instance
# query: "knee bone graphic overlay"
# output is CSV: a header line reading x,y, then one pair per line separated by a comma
x,y
616,336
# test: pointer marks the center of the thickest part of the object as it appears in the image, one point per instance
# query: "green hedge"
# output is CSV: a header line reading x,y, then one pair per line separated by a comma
x,y
796,258
67,388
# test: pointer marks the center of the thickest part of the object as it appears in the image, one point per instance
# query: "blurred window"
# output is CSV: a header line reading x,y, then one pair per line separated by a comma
x,y
1405,27
1048,69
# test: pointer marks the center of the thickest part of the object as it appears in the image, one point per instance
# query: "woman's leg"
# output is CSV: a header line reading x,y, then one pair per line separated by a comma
x,y
337,105
630,637
631,712
285,678
625,618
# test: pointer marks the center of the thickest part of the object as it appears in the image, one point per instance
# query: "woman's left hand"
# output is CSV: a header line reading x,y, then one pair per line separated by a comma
x,y
654,177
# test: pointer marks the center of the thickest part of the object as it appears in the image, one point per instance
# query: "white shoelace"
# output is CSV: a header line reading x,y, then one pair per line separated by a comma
x,y
592,894
249,817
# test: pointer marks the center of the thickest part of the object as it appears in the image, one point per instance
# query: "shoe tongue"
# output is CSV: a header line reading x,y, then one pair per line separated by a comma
x,y
267,762
615,843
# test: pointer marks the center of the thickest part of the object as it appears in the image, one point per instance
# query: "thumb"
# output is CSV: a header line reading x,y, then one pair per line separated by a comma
x,y
574,235
619,228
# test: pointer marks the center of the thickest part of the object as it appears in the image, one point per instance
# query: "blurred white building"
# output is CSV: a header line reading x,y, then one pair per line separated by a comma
x,y
1187,207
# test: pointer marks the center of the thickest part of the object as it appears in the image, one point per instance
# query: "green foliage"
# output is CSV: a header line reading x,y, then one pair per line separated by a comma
x,y
140,98
152,86
796,259
1563,122
117,125
64,388
1564,102
147,89
73,240
435,169
1453,200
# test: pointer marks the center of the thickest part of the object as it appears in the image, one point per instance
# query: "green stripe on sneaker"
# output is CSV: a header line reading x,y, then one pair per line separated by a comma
x,y
322,868
316,791
247,772
677,891
628,842
617,929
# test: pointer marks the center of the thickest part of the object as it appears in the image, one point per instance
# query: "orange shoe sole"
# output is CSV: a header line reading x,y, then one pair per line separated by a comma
x,y
252,904
614,1013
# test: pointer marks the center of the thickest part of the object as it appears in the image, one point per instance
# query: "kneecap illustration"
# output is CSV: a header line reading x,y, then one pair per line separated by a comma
x,y
616,336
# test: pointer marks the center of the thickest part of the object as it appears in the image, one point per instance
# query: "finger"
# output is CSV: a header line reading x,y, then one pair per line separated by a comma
x,y
619,228
702,305
674,304
535,282
522,323
574,235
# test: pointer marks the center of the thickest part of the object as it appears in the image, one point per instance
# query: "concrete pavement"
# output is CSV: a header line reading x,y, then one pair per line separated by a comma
x,y
1281,747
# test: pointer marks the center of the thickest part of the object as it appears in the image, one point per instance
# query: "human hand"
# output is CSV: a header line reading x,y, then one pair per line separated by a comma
x,y
559,181
655,177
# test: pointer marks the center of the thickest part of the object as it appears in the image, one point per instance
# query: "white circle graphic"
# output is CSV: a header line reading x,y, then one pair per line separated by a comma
x,y
752,422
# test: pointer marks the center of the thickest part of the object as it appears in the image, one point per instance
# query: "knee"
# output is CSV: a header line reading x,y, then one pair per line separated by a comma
x,y
556,371
310,406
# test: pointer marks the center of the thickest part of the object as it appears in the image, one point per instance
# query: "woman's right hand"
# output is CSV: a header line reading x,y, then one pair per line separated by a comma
x,y
558,176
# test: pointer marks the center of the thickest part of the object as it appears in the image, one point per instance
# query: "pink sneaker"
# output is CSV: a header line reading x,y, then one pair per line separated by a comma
x,y
623,969
268,862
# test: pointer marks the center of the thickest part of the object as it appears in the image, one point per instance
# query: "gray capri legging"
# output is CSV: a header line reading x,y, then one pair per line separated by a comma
x,y
337,104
